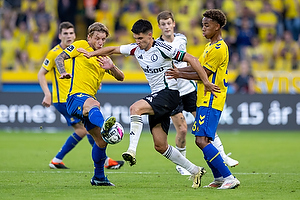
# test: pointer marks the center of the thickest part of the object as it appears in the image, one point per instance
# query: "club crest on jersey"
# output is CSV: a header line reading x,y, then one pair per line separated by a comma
x,y
182,47
70,48
46,62
154,58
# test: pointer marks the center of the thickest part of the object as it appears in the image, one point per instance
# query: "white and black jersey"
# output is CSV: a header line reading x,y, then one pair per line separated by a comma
x,y
184,86
155,62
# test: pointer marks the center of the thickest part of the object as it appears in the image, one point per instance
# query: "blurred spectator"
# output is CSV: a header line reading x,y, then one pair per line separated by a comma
x,y
268,49
67,11
37,50
278,8
244,83
292,17
105,15
255,6
90,6
255,55
244,35
131,13
286,53
9,50
266,21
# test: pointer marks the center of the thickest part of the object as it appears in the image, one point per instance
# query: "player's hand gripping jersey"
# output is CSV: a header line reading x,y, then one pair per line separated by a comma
x,y
155,62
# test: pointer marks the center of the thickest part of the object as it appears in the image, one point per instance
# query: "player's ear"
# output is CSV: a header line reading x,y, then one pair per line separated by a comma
x,y
218,26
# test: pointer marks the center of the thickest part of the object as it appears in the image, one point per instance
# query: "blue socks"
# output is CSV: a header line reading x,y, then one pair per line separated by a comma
x,y
96,117
215,161
99,157
71,142
90,139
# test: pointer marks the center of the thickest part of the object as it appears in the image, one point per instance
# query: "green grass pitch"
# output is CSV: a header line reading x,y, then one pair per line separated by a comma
x,y
268,169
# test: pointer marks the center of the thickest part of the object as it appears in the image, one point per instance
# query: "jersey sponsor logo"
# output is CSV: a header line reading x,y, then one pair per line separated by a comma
x,y
70,48
154,57
153,71
46,62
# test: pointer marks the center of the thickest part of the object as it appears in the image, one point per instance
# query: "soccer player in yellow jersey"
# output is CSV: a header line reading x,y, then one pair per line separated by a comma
x,y
60,89
86,76
209,108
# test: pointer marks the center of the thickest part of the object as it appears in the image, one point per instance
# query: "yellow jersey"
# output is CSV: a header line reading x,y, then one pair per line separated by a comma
x,y
60,87
87,74
215,58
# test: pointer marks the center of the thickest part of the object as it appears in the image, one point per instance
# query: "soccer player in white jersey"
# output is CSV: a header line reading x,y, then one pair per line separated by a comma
x,y
214,60
187,90
155,58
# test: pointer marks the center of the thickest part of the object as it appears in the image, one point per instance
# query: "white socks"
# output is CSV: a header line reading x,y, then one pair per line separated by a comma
x,y
56,160
218,144
176,157
182,150
136,127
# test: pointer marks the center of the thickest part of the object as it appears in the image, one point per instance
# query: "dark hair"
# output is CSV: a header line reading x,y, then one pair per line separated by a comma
x,y
141,26
97,26
65,25
165,15
216,15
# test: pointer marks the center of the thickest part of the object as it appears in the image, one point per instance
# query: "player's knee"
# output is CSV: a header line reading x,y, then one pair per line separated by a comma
x,y
201,142
134,110
161,148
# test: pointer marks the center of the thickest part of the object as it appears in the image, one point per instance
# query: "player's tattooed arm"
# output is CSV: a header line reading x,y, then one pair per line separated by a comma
x,y
59,61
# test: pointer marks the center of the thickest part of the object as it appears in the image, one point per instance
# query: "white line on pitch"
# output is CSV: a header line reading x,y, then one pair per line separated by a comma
x,y
119,172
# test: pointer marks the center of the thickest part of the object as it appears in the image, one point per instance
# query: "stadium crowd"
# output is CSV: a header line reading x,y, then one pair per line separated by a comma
x,y
265,33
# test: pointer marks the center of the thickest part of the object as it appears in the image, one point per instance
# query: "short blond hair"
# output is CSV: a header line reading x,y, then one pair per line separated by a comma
x,y
97,26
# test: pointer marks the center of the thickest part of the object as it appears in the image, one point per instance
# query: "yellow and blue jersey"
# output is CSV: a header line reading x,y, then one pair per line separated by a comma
x,y
215,58
87,74
60,87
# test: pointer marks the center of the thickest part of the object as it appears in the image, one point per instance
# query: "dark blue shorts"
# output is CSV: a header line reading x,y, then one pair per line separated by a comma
x,y
62,108
206,122
75,108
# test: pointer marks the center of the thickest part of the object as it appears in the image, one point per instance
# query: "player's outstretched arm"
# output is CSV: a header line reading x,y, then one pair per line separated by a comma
x,y
185,72
59,61
107,64
209,87
104,51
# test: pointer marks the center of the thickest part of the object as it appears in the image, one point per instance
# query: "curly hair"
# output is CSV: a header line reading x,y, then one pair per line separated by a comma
x,y
216,15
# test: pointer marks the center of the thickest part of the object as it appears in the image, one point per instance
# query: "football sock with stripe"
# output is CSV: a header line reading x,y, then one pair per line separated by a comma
x,y
218,144
96,117
99,157
181,150
136,127
70,143
212,155
176,157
